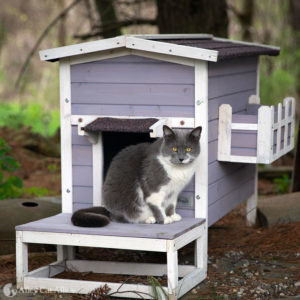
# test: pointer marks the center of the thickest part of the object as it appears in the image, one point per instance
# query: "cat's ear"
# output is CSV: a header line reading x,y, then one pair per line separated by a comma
x,y
168,132
196,133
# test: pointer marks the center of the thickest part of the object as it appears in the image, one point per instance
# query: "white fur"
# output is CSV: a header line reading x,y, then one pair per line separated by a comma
x,y
179,175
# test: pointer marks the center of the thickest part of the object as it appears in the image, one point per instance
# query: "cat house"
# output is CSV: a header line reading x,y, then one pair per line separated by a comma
x,y
121,91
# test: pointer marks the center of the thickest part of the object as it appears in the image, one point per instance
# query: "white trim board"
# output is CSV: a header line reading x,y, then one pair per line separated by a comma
x,y
129,42
174,36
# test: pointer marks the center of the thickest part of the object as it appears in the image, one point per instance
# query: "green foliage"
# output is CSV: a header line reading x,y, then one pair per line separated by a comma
x,y
157,290
283,183
278,85
33,115
35,192
10,186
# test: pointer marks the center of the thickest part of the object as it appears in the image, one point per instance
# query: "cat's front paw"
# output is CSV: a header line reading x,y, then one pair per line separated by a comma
x,y
176,217
150,220
168,220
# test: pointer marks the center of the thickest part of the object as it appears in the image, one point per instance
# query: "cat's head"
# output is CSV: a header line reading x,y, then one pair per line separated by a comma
x,y
181,146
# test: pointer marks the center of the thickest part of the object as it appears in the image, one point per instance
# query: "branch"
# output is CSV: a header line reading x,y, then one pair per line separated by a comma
x,y
38,42
110,27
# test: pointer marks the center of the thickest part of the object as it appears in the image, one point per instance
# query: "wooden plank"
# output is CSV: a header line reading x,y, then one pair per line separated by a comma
x,y
172,269
82,175
218,170
133,94
265,134
238,101
248,119
220,208
129,70
125,268
227,184
66,136
246,139
171,49
233,83
201,119
21,259
48,271
98,170
100,241
82,48
82,155
85,287
134,110
224,135
212,151
232,66
190,281
83,194
77,206
244,151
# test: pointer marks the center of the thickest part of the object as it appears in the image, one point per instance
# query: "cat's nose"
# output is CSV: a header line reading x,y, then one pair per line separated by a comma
x,y
181,159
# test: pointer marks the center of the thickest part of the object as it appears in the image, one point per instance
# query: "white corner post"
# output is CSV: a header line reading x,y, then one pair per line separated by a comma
x,y
66,136
251,204
64,252
98,166
201,175
21,259
172,269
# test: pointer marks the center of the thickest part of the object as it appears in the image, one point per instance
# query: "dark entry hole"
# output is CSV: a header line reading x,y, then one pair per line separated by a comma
x,y
29,204
114,142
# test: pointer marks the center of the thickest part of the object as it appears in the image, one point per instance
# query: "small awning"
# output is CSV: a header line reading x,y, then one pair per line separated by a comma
x,y
120,125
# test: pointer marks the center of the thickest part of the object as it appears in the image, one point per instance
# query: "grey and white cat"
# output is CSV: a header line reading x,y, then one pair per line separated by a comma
x,y
143,181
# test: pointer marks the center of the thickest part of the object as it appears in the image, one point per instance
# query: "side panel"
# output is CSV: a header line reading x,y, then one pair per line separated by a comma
x,y
229,184
129,86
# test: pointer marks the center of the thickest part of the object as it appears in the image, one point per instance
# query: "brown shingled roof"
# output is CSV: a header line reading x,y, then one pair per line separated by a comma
x,y
120,125
226,48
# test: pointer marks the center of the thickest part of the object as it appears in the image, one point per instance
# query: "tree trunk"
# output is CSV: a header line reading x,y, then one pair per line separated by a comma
x,y
107,14
294,11
193,16
246,19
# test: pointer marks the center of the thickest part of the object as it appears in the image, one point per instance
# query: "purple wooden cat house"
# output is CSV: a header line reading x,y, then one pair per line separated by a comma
x,y
120,91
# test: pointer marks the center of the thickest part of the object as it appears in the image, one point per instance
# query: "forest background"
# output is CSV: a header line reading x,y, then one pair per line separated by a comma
x,y
29,90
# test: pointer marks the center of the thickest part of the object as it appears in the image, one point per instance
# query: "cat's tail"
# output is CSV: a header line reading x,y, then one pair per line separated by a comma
x,y
91,217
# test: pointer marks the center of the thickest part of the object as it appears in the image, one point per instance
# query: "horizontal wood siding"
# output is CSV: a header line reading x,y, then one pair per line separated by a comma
x,y
230,82
82,161
132,85
126,86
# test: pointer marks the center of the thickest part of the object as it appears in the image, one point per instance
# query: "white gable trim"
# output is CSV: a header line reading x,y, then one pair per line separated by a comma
x,y
174,36
171,49
129,42
83,48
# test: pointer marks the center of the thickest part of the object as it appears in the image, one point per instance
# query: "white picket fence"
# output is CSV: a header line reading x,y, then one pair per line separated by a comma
x,y
275,133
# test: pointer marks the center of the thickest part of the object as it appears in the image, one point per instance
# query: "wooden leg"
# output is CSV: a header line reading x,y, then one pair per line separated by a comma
x,y
172,266
65,252
21,259
251,205
201,252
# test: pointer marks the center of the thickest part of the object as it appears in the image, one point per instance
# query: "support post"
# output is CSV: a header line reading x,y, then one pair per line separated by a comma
x,y
66,136
21,259
172,267
201,174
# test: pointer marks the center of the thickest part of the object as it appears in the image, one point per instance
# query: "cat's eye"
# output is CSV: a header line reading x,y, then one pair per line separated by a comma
x,y
174,149
188,149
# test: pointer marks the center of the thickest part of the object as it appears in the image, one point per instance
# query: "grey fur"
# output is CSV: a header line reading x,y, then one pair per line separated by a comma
x,y
156,213
136,173
170,210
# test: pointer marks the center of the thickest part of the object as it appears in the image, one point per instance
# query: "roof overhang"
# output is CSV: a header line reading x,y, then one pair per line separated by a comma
x,y
141,42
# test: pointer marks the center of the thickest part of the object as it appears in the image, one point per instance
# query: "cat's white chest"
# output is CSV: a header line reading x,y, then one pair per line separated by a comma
x,y
179,175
